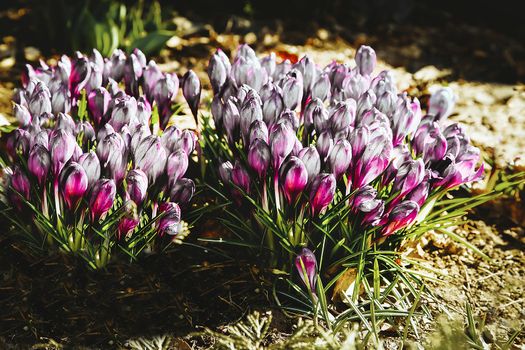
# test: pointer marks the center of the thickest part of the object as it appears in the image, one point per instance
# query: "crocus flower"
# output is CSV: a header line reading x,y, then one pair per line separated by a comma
x,y
340,158
293,178
137,185
150,156
258,130
182,190
61,145
74,184
292,86
306,265
321,87
20,183
191,89
98,104
240,177
129,221
366,60
322,192
217,72
102,197
259,157
89,161
170,219
281,142
22,115
177,164
39,163
441,103
124,113
409,175
402,215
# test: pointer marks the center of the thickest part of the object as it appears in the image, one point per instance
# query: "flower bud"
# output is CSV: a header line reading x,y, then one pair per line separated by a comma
x,y
343,115
151,75
61,146
306,265
217,72
429,142
176,165
143,111
250,112
85,133
292,86
240,177
139,133
110,148
98,104
80,73
102,197
169,138
182,190
124,113
340,158
191,89
18,143
187,142
409,175
20,183
22,115
354,86
420,193
40,101
365,199
269,64
150,156
137,186
39,163
272,107
129,221
258,130
324,144
309,73
308,115
217,109
281,142
132,74
322,192
293,178
118,63
95,78
365,59
65,122
91,164
373,161
225,172
231,120
441,103
170,219
402,215
311,160
321,87
259,157
74,183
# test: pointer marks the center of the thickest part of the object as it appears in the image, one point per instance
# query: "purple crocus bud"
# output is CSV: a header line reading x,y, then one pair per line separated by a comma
x,y
102,197
217,108
22,115
95,78
311,160
309,72
366,60
132,74
20,183
292,86
74,184
139,133
387,103
441,103
291,117
18,143
365,199
225,172
80,72
217,72
354,86
39,163
459,173
41,138
293,178
281,70
150,156
272,107
118,63
373,161
281,142
97,59
40,101
98,104
170,219
322,192
191,89
137,185
258,130
231,119
240,177
374,216
85,132
65,122
141,58
320,118
340,158
366,102
404,120
420,193
343,115
110,148
169,137
359,139
402,215
306,265
176,165
61,145
143,110
151,75
308,113
164,92
269,63
250,112
129,221
89,161
182,190
409,175
124,113
259,157
321,87
325,143
187,142
430,142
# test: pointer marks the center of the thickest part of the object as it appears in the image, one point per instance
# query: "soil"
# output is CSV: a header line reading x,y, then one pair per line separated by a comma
x,y
54,298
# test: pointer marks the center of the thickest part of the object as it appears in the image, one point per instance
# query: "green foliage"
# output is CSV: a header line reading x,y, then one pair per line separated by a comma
x,y
104,25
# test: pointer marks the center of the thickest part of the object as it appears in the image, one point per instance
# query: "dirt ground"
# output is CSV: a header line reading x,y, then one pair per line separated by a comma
x,y
51,299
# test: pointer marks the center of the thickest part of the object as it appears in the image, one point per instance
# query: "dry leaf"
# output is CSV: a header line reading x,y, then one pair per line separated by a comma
x,y
344,287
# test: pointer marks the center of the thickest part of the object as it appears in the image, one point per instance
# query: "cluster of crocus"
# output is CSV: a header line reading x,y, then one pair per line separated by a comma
x,y
303,145
95,162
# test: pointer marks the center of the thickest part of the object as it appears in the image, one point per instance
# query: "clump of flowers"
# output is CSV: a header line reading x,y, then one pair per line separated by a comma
x,y
95,166
331,163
